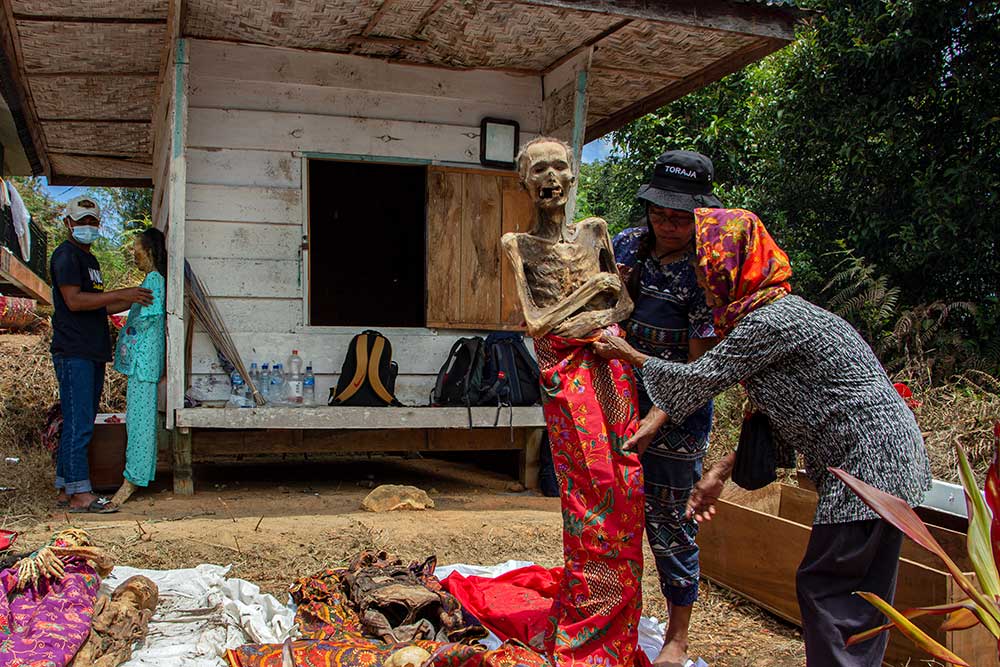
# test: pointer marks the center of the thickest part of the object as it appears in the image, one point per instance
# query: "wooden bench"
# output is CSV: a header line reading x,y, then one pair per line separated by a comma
x,y
204,434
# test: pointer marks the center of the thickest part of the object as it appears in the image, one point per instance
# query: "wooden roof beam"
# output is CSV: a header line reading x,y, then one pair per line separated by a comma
x,y
586,45
14,83
746,18
720,68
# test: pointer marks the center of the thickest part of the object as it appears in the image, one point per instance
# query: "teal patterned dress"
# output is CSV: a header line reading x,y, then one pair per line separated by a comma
x,y
140,356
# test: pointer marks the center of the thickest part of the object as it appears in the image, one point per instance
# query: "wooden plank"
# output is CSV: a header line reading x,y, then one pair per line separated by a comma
x,y
239,94
746,18
281,206
444,245
16,272
480,264
529,457
763,569
415,352
175,235
264,130
181,450
237,240
518,216
352,418
250,315
17,92
277,278
799,505
261,169
267,63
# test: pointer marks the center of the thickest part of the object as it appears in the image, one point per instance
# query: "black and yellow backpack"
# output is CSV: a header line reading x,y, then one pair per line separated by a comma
x,y
368,377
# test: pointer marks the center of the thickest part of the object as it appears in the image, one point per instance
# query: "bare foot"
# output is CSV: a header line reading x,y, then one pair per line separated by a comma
x,y
80,500
62,498
673,654
124,492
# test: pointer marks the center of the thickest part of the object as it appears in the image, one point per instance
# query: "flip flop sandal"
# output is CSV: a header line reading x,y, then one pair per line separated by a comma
x,y
99,506
61,504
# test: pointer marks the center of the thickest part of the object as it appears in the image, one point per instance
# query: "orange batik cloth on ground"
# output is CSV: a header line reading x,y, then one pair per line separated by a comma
x,y
590,411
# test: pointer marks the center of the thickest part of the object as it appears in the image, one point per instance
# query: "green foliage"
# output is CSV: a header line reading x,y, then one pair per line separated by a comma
x,y
877,128
113,249
132,208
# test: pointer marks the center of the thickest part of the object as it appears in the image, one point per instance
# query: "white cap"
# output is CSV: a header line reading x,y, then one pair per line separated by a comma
x,y
82,206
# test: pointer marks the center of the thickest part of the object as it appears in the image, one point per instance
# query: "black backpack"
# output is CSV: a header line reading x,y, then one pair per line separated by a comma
x,y
511,372
368,377
460,382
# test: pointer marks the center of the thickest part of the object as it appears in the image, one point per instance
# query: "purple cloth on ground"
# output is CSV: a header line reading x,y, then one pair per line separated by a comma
x,y
46,625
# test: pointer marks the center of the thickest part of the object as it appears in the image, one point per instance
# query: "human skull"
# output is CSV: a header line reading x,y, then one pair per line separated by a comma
x,y
546,171
410,656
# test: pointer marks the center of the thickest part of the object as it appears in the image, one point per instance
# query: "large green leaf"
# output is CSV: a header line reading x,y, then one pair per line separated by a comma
x,y
902,516
916,612
980,522
920,638
960,619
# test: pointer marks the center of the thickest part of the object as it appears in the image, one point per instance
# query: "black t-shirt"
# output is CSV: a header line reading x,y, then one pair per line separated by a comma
x,y
83,333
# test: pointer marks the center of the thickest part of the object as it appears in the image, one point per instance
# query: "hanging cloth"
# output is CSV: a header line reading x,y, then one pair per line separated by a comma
x,y
19,213
4,197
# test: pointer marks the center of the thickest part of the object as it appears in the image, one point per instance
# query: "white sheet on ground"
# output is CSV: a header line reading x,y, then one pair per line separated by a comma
x,y
201,614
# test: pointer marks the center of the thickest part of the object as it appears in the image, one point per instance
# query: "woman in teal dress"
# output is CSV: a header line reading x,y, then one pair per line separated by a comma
x,y
140,356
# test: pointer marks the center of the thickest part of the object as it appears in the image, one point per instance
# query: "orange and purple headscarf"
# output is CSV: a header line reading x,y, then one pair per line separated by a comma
x,y
743,267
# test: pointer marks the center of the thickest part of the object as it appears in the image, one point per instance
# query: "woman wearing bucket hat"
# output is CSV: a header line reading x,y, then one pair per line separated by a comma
x,y
671,321
826,397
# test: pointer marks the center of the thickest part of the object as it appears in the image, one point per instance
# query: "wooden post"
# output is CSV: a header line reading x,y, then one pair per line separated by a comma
x,y
175,237
528,458
181,450
564,93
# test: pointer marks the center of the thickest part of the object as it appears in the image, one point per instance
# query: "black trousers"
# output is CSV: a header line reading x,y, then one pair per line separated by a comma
x,y
841,559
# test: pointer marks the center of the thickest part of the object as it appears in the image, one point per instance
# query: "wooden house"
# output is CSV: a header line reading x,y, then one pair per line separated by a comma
x,y
318,164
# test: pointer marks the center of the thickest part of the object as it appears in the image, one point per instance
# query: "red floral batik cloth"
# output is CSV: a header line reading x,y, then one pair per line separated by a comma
x,y
590,410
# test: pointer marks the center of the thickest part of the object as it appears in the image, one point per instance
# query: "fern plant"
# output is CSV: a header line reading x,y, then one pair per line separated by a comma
x,y
862,296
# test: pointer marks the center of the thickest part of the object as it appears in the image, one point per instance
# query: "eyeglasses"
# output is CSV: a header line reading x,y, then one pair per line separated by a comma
x,y
671,218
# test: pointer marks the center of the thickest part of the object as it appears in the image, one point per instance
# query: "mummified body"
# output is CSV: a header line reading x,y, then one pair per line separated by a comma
x,y
567,280
397,602
119,622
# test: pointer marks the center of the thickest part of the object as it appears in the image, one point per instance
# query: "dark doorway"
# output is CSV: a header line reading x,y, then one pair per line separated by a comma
x,y
366,244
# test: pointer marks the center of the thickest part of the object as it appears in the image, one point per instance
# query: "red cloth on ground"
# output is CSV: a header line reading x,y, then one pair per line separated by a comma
x,y
514,605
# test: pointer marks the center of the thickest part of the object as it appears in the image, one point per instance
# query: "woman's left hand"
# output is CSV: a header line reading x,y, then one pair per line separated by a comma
x,y
614,347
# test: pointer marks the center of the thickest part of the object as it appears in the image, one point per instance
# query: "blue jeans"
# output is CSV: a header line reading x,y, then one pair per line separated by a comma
x,y
80,385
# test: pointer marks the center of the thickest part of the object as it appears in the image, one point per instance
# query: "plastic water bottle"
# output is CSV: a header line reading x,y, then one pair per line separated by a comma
x,y
238,393
277,390
264,386
295,379
309,387
254,378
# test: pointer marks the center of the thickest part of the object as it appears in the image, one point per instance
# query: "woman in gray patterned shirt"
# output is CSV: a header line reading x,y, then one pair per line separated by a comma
x,y
827,397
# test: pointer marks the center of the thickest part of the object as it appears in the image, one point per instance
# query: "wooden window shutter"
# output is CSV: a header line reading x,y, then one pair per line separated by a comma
x,y
469,282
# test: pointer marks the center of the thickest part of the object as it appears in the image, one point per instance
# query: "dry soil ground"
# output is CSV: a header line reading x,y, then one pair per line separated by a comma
x,y
278,522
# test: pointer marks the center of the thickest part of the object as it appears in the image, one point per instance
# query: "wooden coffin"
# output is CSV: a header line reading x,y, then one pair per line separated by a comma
x,y
755,550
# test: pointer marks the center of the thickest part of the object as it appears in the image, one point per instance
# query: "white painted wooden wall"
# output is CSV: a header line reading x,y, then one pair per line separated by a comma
x,y
253,111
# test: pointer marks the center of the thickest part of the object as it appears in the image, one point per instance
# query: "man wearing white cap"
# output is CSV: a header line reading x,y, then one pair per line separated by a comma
x,y
81,345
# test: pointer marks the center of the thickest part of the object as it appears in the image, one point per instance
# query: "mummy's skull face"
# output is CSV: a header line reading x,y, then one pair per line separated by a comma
x,y
548,175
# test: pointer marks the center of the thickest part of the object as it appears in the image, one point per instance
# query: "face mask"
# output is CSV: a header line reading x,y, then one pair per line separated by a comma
x,y
86,234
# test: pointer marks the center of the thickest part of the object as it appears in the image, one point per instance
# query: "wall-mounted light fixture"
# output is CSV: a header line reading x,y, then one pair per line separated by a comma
x,y
498,141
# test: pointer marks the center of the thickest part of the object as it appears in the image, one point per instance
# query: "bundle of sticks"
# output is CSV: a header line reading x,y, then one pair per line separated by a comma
x,y
204,311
